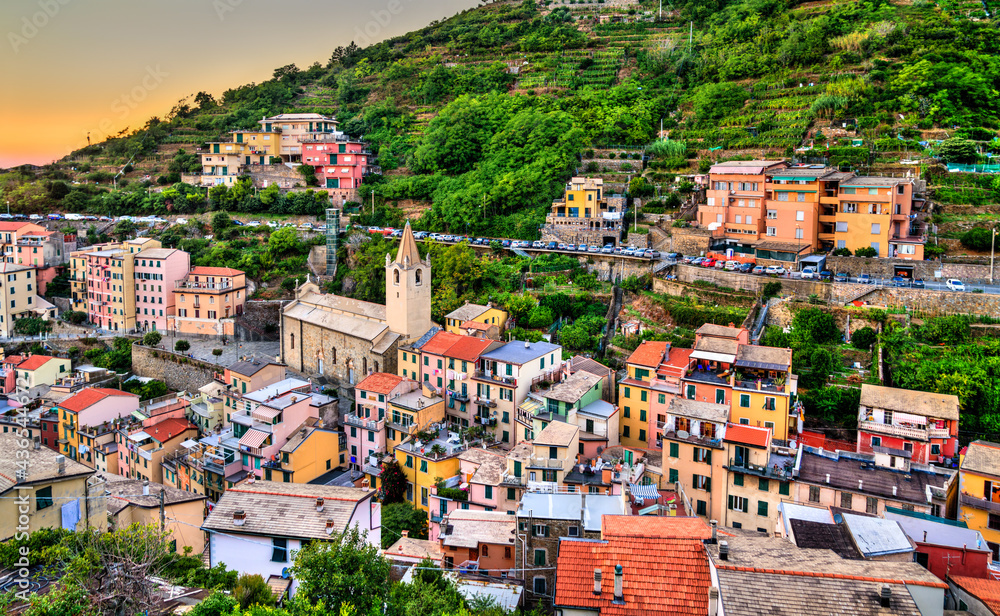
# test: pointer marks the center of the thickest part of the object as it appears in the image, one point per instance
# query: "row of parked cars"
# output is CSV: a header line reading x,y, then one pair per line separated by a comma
x,y
609,249
735,266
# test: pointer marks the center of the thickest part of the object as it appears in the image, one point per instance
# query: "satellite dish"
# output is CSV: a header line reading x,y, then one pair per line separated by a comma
x,y
285,573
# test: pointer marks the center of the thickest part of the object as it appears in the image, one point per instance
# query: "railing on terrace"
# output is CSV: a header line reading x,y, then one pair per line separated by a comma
x,y
489,376
485,402
202,286
894,430
743,466
354,420
979,503
547,462
760,386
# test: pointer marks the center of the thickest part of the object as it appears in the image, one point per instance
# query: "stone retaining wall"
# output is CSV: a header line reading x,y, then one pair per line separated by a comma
x,y
179,372
690,240
754,284
926,270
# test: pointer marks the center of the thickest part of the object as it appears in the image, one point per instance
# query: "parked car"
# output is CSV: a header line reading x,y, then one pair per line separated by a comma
x,y
594,248
865,279
506,243
552,245
708,263
628,251
775,269
690,259
917,284
758,270
732,266
807,273
720,264
570,247
898,281
841,277
651,254
618,250
954,284
825,275
609,249
582,248
697,260
419,235
746,268
675,256
562,246
182,221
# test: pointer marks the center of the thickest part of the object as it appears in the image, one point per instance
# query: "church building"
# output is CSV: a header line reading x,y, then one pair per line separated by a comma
x,y
346,339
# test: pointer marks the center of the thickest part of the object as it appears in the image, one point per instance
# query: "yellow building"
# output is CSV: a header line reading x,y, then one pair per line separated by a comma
x,y
19,297
759,478
102,282
763,385
424,462
38,370
60,492
979,491
487,315
411,412
134,502
554,453
89,412
693,453
310,453
78,277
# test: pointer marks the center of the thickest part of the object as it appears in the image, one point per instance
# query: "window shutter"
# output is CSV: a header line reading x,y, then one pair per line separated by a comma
x,y
708,456
546,530
730,501
746,505
708,484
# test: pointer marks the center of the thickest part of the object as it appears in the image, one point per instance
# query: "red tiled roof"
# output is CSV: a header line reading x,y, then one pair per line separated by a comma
x,y
665,527
380,383
89,397
984,589
476,325
201,270
13,226
660,576
649,353
748,435
676,362
34,362
13,359
440,343
468,348
169,428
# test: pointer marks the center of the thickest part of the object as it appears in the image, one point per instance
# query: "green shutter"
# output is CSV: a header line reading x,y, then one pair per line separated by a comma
x,y
673,475
783,488
737,479
674,450
762,508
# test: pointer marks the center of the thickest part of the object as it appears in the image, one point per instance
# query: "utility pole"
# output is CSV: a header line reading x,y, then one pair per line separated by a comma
x,y
162,510
661,10
690,37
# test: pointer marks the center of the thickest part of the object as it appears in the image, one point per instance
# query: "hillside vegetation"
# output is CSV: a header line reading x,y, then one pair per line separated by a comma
x,y
478,120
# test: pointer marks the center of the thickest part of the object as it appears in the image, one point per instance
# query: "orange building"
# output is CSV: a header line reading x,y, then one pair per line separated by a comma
x,y
482,537
207,300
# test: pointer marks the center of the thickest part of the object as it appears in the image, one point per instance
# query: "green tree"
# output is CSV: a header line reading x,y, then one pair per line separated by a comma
x,y
957,150
393,481
519,305
251,589
346,569
540,317
31,326
814,326
151,339
220,222
977,238
864,338
398,517
821,366
284,241
182,346
950,330
124,229
216,604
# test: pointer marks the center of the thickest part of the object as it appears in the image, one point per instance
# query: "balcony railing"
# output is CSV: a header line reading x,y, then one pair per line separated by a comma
x,y
760,386
203,286
979,503
894,430
547,462
460,396
489,376
368,424
938,433
486,402
762,470
509,479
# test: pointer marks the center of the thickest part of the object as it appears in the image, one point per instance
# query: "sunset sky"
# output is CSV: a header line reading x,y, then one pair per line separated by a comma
x,y
76,66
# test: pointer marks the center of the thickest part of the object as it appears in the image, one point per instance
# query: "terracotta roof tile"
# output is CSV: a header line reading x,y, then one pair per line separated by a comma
x,y
649,353
986,590
440,343
167,429
654,526
748,435
660,575
201,270
380,383
89,397
34,362
469,348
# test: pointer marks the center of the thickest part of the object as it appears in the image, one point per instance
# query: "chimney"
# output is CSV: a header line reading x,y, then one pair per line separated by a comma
x,y
713,601
239,517
715,531
527,345
329,527
38,444
828,477
618,584
925,536
885,598
61,460
251,478
723,550
597,581
861,483
145,488
406,534
319,505
893,490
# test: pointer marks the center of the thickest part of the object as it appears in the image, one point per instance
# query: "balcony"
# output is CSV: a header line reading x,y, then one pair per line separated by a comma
x,y
461,396
511,480
893,430
436,517
978,503
760,385
486,402
770,471
495,378
546,463
359,422
187,285
938,433
829,199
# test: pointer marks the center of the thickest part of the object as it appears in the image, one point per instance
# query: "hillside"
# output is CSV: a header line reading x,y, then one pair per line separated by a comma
x,y
485,115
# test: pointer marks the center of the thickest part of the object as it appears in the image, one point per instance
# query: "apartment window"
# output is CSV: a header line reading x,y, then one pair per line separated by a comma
x,y
842,228
763,485
876,228
906,249
749,219
43,498
409,461
540,530
799,233
701,482
800,197
423,466
871,505
538,584
702,455
772,231
423,496
673,476
993,522
770,403
745,400
784,488
691,391
279,550
782,196
772,214
628,392
738,503
661,398
813,494
841,243
625,431
762,508
720,396
739,219
800,215
642,435
846,499
876,441
642,413
628,412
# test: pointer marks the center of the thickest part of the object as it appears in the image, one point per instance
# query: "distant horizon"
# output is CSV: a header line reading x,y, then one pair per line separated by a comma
x,y
65,85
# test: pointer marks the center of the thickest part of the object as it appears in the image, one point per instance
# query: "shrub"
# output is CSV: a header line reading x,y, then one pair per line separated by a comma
x,y
864,338
152,339
31,326
771,289
866,251
217,352
182,345
251,589
74,316
841,252
979,238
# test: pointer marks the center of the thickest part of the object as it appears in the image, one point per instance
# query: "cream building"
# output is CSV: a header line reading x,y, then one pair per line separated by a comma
x,y
19,297
131,501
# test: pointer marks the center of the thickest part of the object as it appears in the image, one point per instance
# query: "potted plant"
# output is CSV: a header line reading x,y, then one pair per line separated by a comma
x,y
437,450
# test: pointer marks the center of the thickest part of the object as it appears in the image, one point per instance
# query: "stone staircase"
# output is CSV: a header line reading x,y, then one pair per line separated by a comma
x,y
860,293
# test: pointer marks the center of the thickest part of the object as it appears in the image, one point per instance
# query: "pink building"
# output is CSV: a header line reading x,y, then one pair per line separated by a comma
x,y
8,375
365,427
901,425
157,270
341,163
263,431
481,471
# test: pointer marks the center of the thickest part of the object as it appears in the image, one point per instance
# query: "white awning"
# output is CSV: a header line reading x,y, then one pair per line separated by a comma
x,y
138,436
253,438
709,356
644,492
